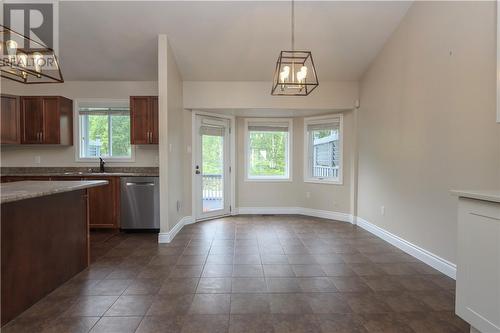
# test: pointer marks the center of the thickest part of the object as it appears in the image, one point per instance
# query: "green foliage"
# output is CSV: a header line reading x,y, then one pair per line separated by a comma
x,y
267,153
120,133
212,154
98,130
319,134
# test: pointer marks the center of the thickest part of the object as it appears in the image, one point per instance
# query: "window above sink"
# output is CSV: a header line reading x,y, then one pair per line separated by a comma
x,y
103,130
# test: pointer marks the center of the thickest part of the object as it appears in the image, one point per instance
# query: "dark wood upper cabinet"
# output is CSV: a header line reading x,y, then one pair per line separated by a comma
x,y
154,120
31,120
46,120
10,132
143,120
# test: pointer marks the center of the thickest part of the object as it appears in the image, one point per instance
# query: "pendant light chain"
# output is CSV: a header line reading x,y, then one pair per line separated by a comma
x,y
295,74
293,25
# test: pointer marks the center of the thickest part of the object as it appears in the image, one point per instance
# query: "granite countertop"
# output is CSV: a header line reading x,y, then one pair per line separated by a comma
x,y
83,174
485,195
79,171
16,191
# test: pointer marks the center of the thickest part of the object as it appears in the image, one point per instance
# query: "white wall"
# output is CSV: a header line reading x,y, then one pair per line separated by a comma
x,y
257,95
176,145
174,176
61,156
427,122
328,197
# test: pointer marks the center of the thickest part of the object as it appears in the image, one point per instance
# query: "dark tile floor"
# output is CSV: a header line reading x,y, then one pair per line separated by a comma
x,y
249,274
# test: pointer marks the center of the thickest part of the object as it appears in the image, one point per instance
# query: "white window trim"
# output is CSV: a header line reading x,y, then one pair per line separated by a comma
x,y
76,130
289,150
318,120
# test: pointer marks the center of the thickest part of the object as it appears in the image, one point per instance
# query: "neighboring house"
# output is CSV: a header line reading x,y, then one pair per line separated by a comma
x,y
325,156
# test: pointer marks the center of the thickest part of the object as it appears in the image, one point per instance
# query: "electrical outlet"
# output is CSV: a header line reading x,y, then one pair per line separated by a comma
x,y
38,159
188,149
382,210
308,195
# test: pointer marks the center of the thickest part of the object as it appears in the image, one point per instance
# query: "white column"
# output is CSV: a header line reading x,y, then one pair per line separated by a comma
x,y
163,134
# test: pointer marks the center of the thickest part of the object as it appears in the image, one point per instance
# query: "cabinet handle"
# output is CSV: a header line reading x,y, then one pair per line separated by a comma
x,y
149,137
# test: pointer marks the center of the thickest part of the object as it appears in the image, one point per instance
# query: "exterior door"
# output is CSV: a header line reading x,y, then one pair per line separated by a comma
x,y
212,167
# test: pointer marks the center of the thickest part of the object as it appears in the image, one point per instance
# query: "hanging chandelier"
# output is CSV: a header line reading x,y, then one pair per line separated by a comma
x,y
26,60
295,74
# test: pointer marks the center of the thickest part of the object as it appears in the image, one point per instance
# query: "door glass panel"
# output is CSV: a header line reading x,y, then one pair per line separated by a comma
x,y
212,155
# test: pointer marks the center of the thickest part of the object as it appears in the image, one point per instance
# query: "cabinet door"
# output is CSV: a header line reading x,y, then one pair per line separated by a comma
x,y
51,120
103,203
31,120
139,120
154,120
65,121
478,266
9,122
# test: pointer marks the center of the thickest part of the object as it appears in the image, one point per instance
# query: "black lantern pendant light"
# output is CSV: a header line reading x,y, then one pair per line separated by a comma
x,y
295,74
25,60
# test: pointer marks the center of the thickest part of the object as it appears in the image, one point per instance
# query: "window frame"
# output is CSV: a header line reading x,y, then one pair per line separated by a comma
x,y
77,127
288,150
308,178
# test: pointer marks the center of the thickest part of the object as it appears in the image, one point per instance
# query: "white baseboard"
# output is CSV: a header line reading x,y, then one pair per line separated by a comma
x,y
326,214
167,237
442,265
268,210
296,211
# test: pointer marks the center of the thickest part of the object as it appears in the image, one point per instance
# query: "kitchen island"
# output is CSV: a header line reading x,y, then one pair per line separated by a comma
x,y
478,259
45,239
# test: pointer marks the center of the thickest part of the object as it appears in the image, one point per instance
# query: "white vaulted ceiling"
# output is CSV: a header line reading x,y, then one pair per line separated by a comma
x,y
220,40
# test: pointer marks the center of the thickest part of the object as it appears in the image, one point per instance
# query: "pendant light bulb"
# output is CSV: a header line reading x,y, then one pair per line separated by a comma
x,y
11,46
303,69
37,61
284,75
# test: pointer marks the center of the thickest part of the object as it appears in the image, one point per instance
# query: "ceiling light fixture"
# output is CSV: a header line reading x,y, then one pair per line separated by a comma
x,y
25,60
295,74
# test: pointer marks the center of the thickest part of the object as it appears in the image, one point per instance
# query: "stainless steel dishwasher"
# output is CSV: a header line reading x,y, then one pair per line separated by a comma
x,y
140,203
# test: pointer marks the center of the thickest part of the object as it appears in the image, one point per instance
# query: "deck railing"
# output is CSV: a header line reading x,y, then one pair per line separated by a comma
x,y
326,172
213,187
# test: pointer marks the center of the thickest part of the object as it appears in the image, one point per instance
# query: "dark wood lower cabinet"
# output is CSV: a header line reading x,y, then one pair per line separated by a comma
x,y
104,201
44,243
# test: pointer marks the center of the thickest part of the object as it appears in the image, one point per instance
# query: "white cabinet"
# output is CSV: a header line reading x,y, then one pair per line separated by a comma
x,y
478,266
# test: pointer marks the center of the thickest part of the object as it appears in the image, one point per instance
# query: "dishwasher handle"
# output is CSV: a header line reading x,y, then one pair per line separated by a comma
x,y
140,184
